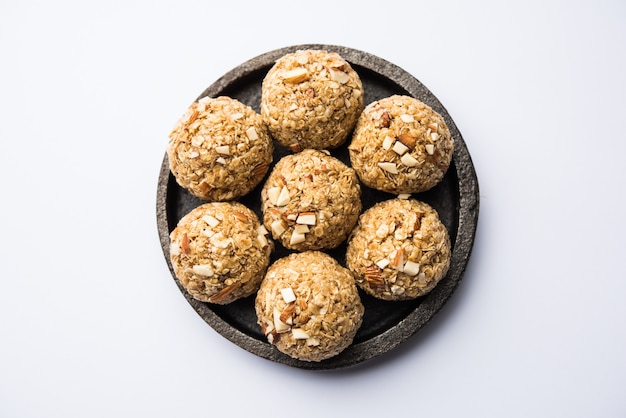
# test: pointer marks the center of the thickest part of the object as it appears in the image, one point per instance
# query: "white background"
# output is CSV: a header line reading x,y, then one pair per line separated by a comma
x,y
91,322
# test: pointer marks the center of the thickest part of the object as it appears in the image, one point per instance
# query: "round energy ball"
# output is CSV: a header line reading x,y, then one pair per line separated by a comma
x,y
220,252
308,306
311,99
399,250
400,145
310,201
220,149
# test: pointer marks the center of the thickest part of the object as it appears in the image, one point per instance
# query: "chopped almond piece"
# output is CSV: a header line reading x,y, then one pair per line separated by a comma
x,y
283,197
252,134
297,238
288,295
388,167
399,148
272,194
408,160
299,334
306,218
297,75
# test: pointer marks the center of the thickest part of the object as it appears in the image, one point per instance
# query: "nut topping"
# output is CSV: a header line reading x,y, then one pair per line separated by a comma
x,y
339,76
241,216
374,276
288,295
260,170
299,334
398,259
297,238
409,161
399,148
252,134
411,268
283,197
211,221
279,325
223,149
295,147
287,314
185,244
297,75
193,117
278,227
224,293
306,218
407,140
205,270
386,119
272,194
388,142
388,167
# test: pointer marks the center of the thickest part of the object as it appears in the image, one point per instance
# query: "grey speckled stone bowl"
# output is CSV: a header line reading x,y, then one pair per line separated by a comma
x,y
385,324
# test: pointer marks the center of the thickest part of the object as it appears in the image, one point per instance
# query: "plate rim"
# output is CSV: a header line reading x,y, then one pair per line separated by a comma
x,y
467,222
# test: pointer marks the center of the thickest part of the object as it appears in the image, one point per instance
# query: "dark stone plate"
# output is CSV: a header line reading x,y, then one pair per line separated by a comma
x,y
385,324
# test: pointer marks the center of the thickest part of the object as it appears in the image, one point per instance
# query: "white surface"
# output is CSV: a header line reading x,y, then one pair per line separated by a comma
x,y
91,322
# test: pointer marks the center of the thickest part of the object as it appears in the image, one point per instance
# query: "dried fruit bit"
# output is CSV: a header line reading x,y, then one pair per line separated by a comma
x,y
388,167
407,118
297,75
433,126
288,295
